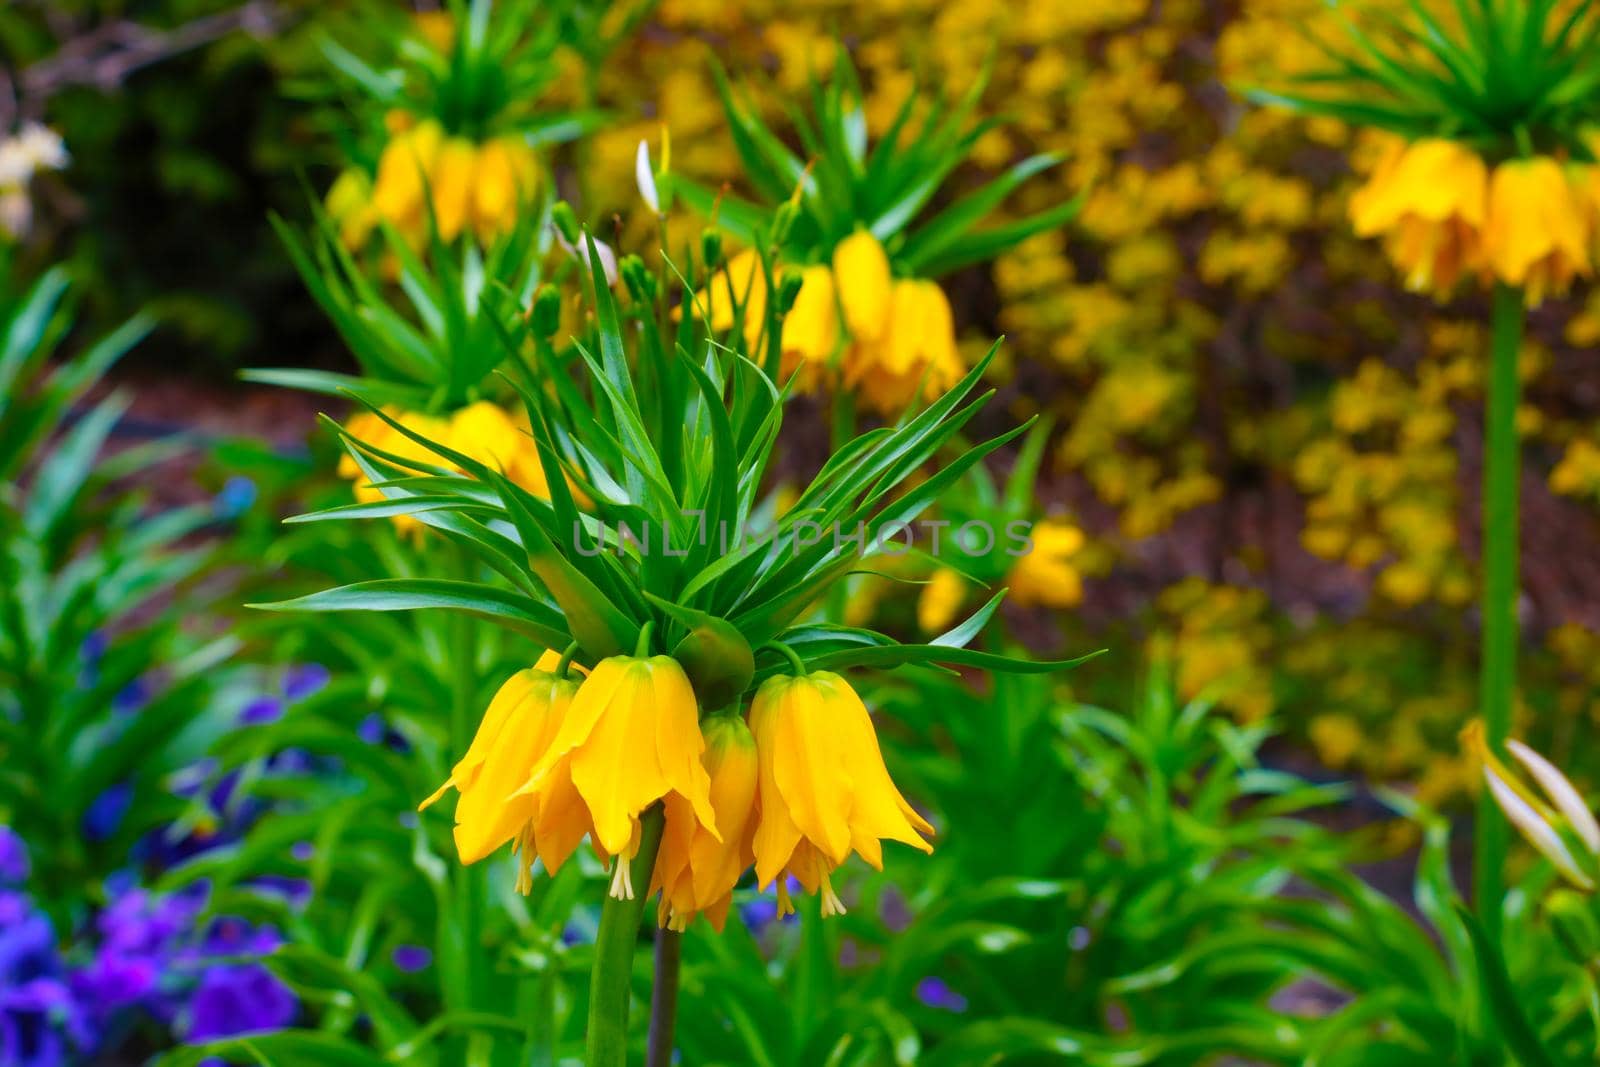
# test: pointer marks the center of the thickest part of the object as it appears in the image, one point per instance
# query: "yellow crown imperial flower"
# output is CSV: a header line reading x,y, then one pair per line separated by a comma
x,y
1539,228
1430,200
398,189
811,329
823,789
487,433
861,273
917,354
630,738
368,427
696,870
1045,574
1563,830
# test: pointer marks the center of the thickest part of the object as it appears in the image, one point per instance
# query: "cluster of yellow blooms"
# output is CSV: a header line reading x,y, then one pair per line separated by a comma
x,y
1445,214
482,430
1381,485
467,186
891,340
792,789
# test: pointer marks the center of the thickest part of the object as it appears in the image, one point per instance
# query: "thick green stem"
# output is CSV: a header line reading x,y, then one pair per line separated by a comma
x,y
664,998
612,980
1498,681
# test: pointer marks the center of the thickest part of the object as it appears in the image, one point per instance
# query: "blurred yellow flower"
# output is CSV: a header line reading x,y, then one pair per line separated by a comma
x,y
1430,200
1539,229
940,600
1045,575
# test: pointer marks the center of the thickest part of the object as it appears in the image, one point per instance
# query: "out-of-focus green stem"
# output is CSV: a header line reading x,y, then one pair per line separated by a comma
x,y
664,999
1498,659
610,985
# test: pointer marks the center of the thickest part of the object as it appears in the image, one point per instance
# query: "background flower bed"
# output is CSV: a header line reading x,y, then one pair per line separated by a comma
x,y
1268,443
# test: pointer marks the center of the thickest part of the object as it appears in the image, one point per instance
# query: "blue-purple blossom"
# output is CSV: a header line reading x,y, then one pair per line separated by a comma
x,y
935,992
14,866
234,999
106,811
304,680
411,958
261,711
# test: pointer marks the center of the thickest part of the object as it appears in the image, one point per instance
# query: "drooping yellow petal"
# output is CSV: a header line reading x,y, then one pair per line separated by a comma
x,y
811,774
1430,202
811,329
861,272
490,811
451,178
1538,230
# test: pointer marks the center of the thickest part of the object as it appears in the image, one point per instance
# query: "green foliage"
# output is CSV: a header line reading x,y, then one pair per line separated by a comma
x,y
1506,76
839,184
84,565
668,448
436,351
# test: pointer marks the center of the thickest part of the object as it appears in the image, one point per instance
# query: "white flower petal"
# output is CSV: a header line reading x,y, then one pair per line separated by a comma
x,y
1540,834
646,178
1562,793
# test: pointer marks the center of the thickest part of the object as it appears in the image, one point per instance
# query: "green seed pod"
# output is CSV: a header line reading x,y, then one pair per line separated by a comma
x,y
718,661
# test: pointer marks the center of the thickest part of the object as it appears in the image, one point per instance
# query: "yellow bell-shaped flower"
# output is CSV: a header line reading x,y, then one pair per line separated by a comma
x,y
696,870
1539,228
407,160
917,354
1430,202
811,329
452,181
823,789
861,273
630,738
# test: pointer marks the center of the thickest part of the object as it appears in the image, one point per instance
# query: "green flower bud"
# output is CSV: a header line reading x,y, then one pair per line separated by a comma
x,y
789,282
546,312
718,661
566,221
711,248
640,282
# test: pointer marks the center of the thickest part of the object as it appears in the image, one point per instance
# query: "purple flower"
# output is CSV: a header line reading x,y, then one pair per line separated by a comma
x,y
302,851
31,1024
411,958
936,993
133,696
106,811
14,866
237,999
261,711
304,680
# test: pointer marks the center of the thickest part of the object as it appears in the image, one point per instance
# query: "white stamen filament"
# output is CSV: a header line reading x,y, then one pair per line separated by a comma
x,y
622,880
